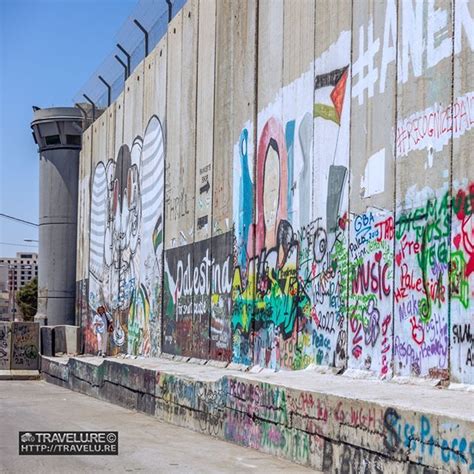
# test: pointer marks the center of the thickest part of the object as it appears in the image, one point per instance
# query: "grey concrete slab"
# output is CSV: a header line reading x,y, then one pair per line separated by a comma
x,y
443,402
19,375
319,420
25,346
47,341
145,444
5,345
67,339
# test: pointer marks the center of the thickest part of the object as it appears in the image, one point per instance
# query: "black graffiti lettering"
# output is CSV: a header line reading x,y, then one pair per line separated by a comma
x,y
462,333
392,438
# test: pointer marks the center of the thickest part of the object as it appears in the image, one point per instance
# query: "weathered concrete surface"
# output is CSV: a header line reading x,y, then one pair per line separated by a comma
x,y
144,444
67,339
329,422
83,221
462,322
19,375
5,345
25,346
47,341
57,132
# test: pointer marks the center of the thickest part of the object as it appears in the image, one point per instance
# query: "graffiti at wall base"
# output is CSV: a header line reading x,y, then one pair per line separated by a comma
x,y
300,425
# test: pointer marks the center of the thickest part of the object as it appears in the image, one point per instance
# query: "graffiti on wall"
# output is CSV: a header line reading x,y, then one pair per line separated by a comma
x,y
126,245
302,278
421,289
24,346
461,284
290,275
426,41
370,301
324,237
5,345
193,278
301,425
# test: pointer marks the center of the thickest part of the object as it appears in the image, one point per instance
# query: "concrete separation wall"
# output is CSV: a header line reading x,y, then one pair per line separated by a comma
x,y
285,183
328,422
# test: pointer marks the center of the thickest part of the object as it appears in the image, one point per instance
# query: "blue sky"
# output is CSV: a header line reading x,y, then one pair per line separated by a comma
x,y
48,50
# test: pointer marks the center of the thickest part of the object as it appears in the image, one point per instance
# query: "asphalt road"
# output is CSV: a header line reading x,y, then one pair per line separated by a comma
x,y
145,444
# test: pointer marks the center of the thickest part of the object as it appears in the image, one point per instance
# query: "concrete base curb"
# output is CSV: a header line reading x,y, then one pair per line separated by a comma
x,y
19,375
328,422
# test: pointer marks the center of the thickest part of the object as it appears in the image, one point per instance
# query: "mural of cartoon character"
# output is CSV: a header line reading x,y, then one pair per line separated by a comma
x,y
126,246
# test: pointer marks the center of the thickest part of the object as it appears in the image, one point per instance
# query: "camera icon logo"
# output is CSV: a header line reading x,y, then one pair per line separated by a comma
x,y
27,438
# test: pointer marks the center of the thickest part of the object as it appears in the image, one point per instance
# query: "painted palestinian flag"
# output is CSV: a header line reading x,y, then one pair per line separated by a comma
x,y
329,91
157,234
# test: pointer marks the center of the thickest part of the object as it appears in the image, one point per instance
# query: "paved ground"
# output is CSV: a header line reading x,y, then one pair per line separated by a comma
x,y
145,445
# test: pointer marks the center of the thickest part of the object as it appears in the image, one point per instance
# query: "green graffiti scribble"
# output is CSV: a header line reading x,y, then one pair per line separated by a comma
x,y
280,304
170,309
138,318
458,283
425,306
430,224
339,258
433,216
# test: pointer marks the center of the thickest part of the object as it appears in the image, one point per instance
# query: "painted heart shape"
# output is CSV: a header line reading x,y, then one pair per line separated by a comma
x,y
457,241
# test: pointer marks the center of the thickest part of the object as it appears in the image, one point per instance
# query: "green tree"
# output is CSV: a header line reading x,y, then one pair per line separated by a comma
x,y
27,299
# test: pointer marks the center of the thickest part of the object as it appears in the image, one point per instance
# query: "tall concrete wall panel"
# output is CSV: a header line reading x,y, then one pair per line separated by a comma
x,y
422,181
100,157
133,107
234,129
206,38
154,106
174,205
461,278
370,331
155,81
324,230
179,268
83,230
205,120
310,201
267,182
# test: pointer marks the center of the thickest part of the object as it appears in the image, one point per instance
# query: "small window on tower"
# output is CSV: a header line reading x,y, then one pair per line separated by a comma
x,y
73,139
53,140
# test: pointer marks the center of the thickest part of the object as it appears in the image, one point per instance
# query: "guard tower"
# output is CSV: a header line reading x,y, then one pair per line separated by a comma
x,y
58,133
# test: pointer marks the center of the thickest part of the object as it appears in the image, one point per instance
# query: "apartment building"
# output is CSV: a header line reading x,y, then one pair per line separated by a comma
x,y
15,272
